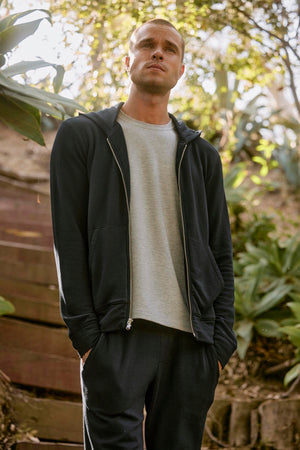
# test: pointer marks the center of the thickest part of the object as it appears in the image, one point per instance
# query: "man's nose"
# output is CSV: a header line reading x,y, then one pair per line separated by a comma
x,y
157,54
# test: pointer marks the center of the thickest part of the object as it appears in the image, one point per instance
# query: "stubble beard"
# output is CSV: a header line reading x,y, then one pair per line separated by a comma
x,y
152,87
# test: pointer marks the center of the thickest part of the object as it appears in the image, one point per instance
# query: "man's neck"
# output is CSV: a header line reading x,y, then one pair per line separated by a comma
x,y
147,108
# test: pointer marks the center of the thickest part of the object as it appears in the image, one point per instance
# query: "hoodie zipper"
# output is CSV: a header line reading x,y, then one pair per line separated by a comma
x,y
184,242
129,320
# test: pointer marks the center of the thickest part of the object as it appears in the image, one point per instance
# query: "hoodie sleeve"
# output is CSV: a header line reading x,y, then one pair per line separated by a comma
x,y
69,204
221,245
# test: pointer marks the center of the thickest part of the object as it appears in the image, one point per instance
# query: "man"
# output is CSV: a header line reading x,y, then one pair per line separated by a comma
x,y
144,258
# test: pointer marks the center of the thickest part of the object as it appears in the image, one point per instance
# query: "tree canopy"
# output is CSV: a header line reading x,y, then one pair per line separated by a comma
x,y
242,64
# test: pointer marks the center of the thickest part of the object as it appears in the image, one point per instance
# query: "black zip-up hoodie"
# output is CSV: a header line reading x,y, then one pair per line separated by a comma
x,y
90,199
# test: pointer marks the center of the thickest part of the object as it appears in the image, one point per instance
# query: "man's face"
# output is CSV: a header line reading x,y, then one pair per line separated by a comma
x,y
155,61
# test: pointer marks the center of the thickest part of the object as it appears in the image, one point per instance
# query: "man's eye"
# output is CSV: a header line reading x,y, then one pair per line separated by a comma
x,y
171,49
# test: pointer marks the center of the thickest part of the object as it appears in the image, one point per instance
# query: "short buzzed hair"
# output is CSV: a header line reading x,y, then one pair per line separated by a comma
x,y
157,21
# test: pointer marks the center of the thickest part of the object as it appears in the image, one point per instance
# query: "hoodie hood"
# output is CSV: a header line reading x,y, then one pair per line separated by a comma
x,y
107,120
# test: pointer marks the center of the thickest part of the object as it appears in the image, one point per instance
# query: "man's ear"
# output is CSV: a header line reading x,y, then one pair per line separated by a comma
x,y
181,70
127,62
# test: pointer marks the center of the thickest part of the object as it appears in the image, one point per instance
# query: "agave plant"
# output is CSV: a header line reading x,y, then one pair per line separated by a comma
x,y
278,261
267,280
253,311
292,329
21,105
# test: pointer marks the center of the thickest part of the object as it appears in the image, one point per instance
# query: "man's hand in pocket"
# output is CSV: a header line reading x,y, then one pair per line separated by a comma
x,y
84,357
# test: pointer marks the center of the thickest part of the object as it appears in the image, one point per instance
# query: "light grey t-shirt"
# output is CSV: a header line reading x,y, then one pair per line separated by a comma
x,y
159,287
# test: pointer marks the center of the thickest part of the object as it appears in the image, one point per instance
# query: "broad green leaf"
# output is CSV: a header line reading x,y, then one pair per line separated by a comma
x,y
291,251
58,79
271,299
292,321
49,97
6,307
294,334
295,307
292,374
13,35
21,118
268,328
11,19
235,176
2,60
25,66
295,296
41,105
244,329
242,346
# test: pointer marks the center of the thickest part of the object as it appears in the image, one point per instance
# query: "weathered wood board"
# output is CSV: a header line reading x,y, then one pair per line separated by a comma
x,y
41,339
27,262
47,446
32,301
55,420
25,215
40,370
36,355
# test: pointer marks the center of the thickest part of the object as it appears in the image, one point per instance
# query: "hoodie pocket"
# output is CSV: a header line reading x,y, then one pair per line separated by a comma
x,y
108,265
206,278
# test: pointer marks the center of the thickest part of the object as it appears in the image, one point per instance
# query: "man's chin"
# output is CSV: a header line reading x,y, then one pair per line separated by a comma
x,y
155,88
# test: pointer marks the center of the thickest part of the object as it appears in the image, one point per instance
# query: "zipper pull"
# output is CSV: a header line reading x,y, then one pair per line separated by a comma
x,y
129,324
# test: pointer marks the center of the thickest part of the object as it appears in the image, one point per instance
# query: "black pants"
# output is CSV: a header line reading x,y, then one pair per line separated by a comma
x,y
166,370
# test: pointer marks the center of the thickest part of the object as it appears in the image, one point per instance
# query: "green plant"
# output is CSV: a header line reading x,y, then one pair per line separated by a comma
x,y
234,176
278,261
20,104
288,158
233,179
292,329
253,231
6,307
252,309
267,278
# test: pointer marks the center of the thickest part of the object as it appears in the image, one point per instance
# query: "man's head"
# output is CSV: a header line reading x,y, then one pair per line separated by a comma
x,y
155,58
161,22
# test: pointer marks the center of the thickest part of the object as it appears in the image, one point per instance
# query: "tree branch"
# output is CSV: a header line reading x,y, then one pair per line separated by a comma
x,y
287,62
270,33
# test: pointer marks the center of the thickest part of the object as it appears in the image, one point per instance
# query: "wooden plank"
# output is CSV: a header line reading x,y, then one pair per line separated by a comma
x,y
13,251
24,290
38,273
54,420
26,271
32,301
25,216
19,188
47,446
41,370
27,262
36,310
37,338
30,232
